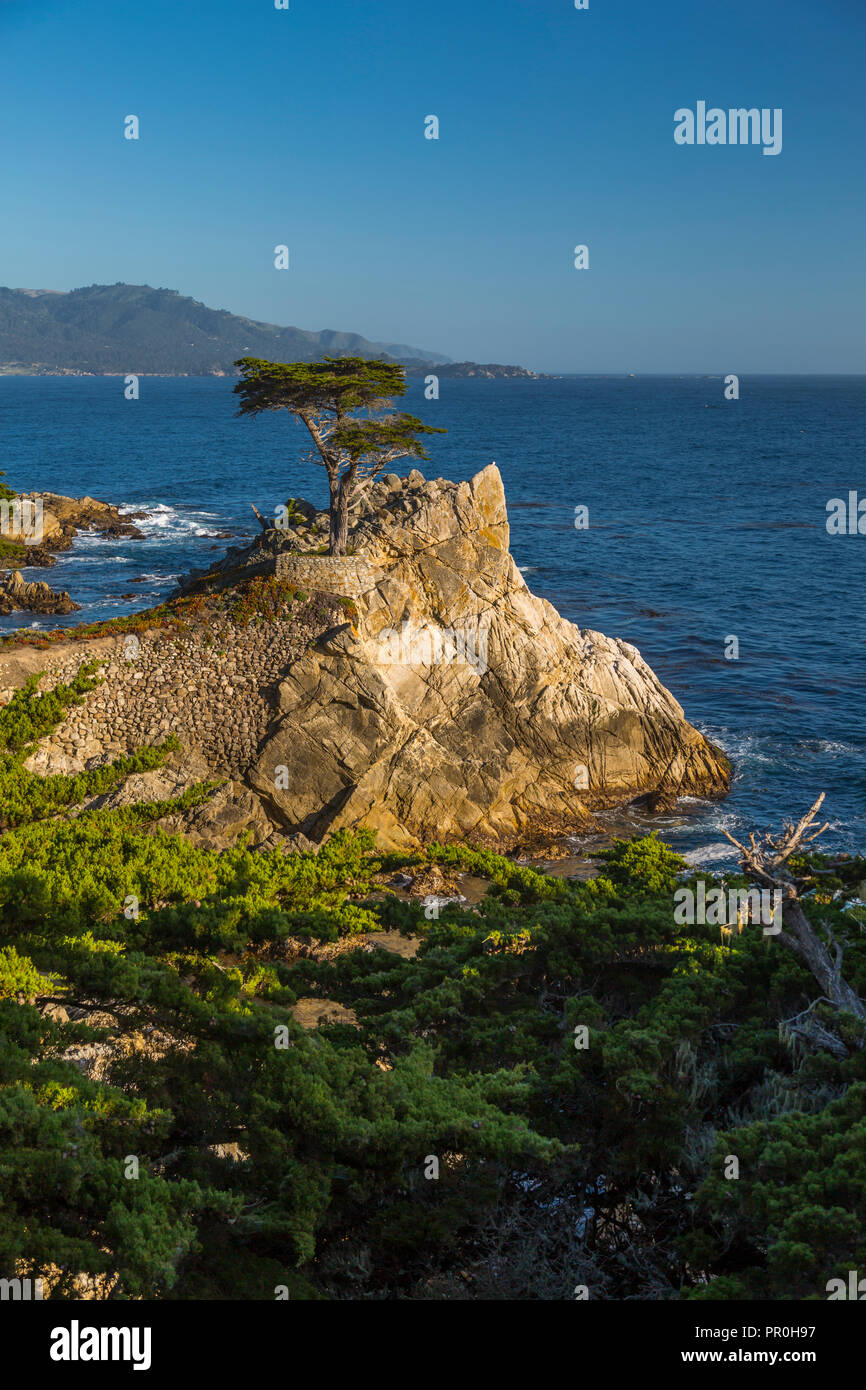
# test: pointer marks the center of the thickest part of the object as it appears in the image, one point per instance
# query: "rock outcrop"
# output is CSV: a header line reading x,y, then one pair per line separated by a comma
x,y
232,811
16,595
453,704
64,517
36,525
458,705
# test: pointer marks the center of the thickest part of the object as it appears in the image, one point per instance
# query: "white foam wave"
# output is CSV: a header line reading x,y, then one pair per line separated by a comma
x,y
710,854
89,559
163,521
828,745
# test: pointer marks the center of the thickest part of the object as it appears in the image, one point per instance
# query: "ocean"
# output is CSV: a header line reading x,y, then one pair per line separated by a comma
x,y
707,522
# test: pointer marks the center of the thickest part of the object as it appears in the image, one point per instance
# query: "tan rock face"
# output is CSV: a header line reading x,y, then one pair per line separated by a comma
x,y
16,595
63,517
460,706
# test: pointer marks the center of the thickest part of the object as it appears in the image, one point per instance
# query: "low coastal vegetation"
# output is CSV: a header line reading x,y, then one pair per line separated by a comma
x,y
234,1065
261,598
542,1093
25,796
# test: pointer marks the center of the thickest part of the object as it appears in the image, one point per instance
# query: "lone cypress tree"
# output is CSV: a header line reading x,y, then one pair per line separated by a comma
x,y
337,399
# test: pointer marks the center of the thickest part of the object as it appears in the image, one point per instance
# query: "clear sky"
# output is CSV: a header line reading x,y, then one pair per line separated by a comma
x,y
306,127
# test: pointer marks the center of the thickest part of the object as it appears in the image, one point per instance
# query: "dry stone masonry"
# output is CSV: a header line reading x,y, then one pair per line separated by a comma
x,y
214,688
350,576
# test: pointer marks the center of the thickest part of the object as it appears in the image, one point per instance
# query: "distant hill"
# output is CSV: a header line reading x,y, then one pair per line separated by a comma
x,y
491,370
108,329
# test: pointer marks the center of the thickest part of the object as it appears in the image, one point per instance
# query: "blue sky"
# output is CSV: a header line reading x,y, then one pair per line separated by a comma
x,y
306,127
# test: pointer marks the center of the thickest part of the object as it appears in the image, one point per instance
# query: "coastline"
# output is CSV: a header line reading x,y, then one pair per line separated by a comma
x,y
214,609
782,733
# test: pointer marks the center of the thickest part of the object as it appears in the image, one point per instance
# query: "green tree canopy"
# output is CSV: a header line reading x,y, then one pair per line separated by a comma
x,y
150,1034
326,397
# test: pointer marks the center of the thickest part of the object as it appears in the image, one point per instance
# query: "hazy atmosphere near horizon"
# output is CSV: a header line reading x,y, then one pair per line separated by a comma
x,y
432,658
260,128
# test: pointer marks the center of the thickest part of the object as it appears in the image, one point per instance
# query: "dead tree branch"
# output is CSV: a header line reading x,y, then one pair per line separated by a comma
x,y
765,860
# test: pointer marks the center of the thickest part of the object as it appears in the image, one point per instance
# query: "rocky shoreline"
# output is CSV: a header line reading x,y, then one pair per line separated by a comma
x,y
37,527
417,688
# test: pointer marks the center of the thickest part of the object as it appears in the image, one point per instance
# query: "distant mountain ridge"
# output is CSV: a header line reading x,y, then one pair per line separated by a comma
x,y
116,329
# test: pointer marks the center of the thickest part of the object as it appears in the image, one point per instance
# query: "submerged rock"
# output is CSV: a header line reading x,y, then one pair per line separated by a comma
x,y
457,705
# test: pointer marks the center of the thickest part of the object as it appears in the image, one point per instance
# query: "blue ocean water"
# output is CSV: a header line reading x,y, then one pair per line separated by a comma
x,y
707,520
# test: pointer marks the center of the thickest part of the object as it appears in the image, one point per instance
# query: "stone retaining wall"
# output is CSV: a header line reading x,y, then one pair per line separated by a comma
x,y
213,687
348,575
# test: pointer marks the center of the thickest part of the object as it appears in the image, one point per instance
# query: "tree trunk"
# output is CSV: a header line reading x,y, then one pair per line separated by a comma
x,y
341,495
801,938
339,525
765,860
